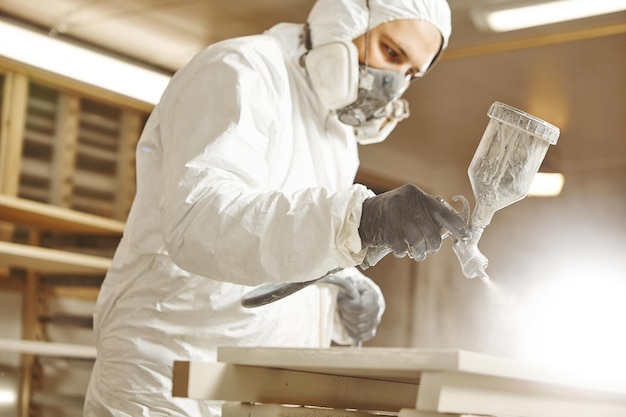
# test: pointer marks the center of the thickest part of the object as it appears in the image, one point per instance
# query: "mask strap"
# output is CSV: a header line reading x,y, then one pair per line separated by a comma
x,y
367,33
365,78
308,43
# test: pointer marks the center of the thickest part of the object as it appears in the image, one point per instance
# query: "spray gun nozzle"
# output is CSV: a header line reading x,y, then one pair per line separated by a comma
x,y
482,275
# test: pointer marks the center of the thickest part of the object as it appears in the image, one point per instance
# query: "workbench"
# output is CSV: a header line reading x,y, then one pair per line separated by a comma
x,y
357,382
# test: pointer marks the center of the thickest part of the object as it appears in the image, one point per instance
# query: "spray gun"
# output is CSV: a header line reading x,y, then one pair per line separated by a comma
x,y
501,172
505,163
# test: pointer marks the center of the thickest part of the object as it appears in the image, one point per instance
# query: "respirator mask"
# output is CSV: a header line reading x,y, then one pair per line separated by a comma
x,y
361,96
377,89
378,107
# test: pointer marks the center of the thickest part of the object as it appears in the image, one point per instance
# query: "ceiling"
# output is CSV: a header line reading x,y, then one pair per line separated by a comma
x,y
571,74
166,33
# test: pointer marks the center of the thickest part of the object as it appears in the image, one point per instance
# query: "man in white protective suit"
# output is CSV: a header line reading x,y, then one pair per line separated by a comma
x,y
245,175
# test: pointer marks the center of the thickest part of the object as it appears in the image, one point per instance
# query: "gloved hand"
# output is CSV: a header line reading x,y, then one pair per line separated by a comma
x,y
408,221
360,309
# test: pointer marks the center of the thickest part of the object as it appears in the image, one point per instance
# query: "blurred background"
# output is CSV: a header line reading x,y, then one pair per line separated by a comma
x,y
558,290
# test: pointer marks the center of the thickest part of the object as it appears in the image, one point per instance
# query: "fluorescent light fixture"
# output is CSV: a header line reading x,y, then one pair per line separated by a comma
x,y
7,397
546,185
520,15
81,64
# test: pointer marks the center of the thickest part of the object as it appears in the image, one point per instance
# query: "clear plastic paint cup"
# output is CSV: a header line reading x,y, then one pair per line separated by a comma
x,y
502,170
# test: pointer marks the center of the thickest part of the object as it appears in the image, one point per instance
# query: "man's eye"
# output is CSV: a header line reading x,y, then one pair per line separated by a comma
x,y
391,52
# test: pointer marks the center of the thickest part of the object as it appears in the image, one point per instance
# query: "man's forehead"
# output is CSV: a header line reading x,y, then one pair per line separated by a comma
x,y
418,40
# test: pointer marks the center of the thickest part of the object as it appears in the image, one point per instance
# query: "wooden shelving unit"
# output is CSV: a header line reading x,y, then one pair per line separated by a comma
x,y
67,181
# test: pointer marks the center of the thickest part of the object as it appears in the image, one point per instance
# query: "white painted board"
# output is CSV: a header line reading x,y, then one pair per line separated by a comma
x,y
455,382
403,364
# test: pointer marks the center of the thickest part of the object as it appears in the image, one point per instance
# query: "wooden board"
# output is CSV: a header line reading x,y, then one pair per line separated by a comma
x,y
48,217
440,394
457,392
218,381
234,409
400,364
406,412
12,131
64,350
448,381
51,260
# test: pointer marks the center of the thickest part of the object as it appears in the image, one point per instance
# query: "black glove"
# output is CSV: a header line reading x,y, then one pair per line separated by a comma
x,y
408,221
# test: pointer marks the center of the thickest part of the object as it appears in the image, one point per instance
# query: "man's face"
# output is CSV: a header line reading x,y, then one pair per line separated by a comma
x,y
408,46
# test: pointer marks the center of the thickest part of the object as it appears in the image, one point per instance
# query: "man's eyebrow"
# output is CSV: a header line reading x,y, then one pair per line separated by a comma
x,y
395,44
401,50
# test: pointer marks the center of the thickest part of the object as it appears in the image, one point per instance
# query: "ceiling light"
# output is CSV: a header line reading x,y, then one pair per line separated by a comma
x,y
81,64
7,397
546,185
509,16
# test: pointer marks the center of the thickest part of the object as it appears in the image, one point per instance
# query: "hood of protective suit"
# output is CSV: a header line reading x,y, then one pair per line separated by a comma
x,y
345,20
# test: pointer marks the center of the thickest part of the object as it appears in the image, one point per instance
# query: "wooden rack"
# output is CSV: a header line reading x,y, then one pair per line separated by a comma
x,y
67,163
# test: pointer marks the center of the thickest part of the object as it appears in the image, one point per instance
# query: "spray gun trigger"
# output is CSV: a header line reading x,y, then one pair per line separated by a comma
x,y
464,213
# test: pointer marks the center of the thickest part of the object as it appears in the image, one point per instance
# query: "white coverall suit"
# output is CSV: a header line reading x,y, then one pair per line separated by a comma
x,y
242,178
